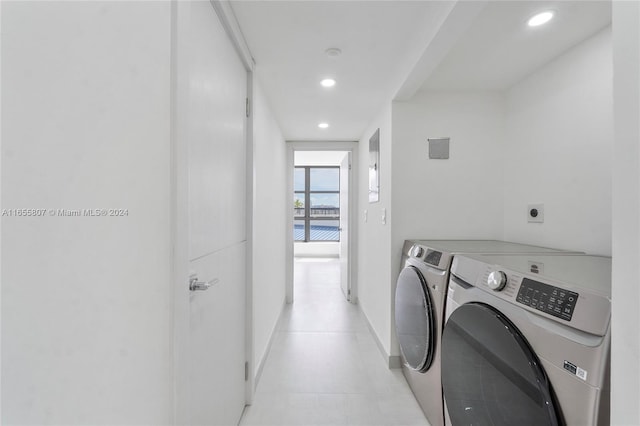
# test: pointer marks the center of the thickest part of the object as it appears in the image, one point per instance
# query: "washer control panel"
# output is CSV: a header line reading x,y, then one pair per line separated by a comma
x,y
569,301
546,298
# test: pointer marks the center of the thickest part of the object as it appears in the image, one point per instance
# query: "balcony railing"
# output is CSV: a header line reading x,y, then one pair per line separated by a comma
x,y
316,212
323,224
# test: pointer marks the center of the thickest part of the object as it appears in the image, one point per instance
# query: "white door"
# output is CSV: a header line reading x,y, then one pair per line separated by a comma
x,y
345,273
211,93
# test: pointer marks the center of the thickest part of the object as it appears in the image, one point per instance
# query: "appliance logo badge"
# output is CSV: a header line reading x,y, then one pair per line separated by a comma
x,y
575,370
536,267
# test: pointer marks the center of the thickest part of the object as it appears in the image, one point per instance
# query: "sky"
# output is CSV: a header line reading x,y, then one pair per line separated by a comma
x,y
322,179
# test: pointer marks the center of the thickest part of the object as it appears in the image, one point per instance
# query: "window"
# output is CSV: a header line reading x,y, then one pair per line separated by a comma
x,y
316,203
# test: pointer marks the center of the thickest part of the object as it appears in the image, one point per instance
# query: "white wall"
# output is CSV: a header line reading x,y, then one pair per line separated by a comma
x,y
558,150
319,249
453,198
625,369
86,301
269,223
374,237
546,140
456,198
318,158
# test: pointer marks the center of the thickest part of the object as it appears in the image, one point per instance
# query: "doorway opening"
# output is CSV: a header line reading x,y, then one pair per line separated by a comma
x,y
323,194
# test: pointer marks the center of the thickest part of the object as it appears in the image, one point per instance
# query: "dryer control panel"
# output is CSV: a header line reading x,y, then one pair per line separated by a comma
x,y
546,298
437,259
433,257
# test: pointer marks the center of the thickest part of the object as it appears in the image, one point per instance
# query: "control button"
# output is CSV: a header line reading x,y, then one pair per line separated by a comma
x,y
497,280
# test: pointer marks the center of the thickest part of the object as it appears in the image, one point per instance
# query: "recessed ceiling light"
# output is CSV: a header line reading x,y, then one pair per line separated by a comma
x,y
323,125
540,18
328,82
333,52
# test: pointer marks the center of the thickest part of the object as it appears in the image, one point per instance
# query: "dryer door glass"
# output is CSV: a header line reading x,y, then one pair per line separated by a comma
x,y
415,319
490,374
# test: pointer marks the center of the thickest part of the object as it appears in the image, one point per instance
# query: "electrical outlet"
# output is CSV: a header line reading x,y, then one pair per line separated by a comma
x,y
535,213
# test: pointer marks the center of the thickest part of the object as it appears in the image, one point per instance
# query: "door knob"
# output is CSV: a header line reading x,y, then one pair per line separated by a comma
x,y
195,285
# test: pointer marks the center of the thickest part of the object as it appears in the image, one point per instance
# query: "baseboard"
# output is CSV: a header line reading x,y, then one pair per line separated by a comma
x,y
392,361
260,366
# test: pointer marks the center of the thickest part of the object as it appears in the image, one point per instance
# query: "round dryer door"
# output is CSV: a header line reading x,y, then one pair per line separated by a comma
x,y
490,374
415,319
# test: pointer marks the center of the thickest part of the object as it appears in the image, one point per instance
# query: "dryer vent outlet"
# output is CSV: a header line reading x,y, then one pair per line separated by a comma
x,y
535,213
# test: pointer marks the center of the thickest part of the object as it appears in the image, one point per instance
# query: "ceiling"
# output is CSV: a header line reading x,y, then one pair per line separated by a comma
x,y
391,49
380,41
499,49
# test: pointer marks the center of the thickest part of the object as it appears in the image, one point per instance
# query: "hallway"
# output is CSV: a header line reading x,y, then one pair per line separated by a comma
x,y
324,366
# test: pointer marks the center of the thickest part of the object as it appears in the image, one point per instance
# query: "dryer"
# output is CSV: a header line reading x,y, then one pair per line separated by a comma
x,y
420,307
527,340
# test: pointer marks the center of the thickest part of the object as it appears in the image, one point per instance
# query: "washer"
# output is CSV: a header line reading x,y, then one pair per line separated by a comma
x,y
527,340
420,307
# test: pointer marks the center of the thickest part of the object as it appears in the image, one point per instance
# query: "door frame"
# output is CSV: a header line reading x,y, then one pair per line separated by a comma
x,y
352,147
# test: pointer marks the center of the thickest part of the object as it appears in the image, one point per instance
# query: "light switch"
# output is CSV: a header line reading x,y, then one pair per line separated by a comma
x,y
366,214
384,216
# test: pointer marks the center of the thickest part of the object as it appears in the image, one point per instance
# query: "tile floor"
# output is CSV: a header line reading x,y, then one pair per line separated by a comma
x,y
324,367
